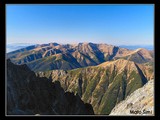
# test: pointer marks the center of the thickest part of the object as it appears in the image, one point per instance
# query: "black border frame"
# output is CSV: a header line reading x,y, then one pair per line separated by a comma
x,y
156,34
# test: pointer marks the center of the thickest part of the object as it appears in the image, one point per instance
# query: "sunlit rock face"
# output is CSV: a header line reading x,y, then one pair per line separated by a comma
x,y
140,102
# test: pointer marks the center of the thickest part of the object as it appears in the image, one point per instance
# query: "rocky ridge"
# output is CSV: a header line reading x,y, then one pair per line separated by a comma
x,y
140,102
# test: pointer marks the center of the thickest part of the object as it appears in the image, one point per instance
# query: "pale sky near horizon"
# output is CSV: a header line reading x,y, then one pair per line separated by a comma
x,y
63,23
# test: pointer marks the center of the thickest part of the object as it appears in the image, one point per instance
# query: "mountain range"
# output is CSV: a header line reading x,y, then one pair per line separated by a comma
x,y
70,56
98,75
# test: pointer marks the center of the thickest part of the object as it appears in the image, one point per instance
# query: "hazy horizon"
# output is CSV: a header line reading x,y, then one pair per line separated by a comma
x,y
15,46
112,24
25,43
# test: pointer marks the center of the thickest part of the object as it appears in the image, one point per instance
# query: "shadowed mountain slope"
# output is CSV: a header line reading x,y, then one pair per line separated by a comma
x,y
30,95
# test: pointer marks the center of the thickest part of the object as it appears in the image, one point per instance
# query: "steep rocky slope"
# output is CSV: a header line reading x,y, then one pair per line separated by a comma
x,y
139,55
30,95
140,102
104,85
70,56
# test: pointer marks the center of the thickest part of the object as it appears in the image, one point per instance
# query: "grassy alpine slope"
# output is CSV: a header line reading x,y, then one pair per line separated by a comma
x,y
102,86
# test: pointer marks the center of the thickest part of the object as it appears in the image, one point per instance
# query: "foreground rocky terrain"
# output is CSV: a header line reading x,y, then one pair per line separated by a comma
x,y
140,102
31,95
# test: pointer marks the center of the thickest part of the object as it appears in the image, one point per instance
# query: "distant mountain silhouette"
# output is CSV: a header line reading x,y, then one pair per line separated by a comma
x,y
133,47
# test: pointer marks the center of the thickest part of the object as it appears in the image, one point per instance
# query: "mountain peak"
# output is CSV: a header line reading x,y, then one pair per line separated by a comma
x,y
53,44
120,64
85,43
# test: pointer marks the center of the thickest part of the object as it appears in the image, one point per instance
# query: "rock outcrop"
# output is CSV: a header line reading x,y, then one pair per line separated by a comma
x,y
140,102
31,95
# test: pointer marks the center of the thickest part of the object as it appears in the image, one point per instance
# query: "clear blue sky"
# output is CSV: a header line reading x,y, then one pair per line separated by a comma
x,y
112,24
